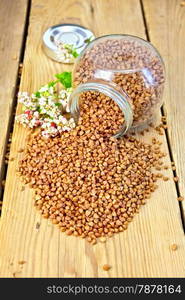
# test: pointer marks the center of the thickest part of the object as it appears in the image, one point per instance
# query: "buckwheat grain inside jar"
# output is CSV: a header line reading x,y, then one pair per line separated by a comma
x,y
125,68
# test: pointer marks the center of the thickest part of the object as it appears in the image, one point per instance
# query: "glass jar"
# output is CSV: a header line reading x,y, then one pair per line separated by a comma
x,y
125,68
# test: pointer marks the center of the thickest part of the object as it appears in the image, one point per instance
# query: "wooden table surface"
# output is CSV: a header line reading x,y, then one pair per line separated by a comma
x,y
144,250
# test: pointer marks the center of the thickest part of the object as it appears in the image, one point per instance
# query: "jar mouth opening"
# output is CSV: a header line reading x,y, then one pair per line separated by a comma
x,y
109,91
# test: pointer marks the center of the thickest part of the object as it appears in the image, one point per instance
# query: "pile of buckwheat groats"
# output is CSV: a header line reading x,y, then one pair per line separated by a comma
x,y
87,182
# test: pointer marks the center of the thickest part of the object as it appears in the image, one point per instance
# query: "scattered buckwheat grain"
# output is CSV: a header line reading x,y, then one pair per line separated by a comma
x,y
176,179
180,198
174,247
106,267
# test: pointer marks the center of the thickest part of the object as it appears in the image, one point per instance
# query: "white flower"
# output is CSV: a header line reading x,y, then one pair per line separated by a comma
x,y
23,94
63,94
43,89
33,96
67,108
63,120
38,107
66,128
36,114
42,101
51,90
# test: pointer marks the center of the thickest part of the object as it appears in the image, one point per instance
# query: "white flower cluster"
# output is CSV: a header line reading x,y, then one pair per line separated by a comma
x,y
64,96
45,109
64,53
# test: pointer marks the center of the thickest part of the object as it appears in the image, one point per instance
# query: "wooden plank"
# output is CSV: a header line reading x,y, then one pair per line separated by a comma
x,y
141,251
166,23
12,22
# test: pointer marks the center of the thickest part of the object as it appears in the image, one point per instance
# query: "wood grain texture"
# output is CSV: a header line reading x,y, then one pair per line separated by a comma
x,y
141,251
12,21
166,24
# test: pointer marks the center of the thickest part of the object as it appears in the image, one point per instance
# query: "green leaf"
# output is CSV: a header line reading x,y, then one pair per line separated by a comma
x,y
65,78
37,94
52,83
87,41
74,53
71,50
38,109
58,104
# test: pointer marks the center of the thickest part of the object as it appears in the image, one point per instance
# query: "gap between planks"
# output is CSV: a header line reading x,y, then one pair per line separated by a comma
x,y
14,97
170,151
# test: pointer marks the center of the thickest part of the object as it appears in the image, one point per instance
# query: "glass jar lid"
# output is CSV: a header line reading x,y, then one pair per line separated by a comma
x,y
76,36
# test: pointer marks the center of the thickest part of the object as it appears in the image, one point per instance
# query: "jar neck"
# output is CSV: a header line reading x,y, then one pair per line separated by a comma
x,y
120,99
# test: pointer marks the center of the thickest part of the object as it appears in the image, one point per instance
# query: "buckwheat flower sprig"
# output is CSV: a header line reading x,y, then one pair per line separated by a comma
x,y
66,53
47,108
